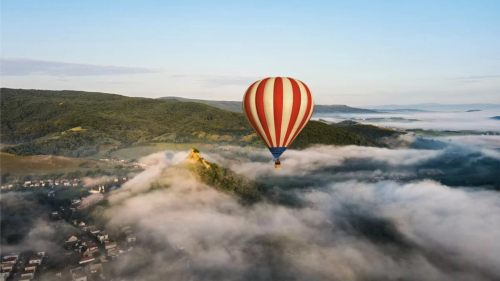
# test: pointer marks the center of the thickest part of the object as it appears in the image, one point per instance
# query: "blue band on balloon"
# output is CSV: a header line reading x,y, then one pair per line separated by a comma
x,y
277,151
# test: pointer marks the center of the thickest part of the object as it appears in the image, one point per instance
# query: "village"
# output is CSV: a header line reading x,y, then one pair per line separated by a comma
x,y
85,252
86,256
68,182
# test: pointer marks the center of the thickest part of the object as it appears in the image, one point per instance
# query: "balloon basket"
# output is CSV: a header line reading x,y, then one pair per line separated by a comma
x,y
277,163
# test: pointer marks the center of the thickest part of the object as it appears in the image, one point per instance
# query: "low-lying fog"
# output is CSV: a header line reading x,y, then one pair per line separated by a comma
x,y
452,120
347,213
331,213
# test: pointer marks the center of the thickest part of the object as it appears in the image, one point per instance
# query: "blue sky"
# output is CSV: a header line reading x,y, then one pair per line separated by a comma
x,y
348,52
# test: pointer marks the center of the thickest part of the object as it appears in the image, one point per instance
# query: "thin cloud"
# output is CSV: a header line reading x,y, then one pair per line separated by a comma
x,y
478,77
26,67
220,80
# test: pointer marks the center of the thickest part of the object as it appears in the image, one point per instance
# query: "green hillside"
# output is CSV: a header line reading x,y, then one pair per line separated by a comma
x,y
318,132
367,131
77,124
236,106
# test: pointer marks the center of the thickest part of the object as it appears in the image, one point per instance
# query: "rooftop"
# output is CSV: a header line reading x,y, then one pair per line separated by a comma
x,y
37,257
87,259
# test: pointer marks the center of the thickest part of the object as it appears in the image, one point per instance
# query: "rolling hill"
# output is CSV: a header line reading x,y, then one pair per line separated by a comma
x,y
368,131
77,124
235,106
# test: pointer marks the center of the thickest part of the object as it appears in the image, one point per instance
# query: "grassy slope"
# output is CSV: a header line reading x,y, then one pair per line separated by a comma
x,y
318,132
76,124
371,131
40,164
31,114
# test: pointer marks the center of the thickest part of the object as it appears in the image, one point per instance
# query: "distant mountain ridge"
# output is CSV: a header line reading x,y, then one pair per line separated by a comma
x,y
236,106
436,106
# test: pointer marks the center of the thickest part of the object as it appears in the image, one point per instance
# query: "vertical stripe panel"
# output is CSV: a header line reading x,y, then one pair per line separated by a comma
x,y
269,109
287,109
278,109
309,109
260,103
296,103
252,109
247,113
302,112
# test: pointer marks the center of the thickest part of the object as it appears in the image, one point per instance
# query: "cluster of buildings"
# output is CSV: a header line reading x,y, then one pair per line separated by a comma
x,y
22,267
96,247
490,133
65,183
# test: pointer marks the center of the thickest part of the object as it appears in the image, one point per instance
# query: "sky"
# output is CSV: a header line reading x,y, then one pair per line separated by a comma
x,y
348,52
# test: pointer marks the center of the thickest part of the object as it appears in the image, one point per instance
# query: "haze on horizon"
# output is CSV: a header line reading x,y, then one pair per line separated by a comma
x,y
357,53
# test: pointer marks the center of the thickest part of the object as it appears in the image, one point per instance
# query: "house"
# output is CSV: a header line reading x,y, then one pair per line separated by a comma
x,y
11,255
96,268
78,274
36,260
102,236
86,260
131,238
41,254
72,239
7,267
30,267
91,247
90,253
109,245
4,276
28,273
9,260
86,241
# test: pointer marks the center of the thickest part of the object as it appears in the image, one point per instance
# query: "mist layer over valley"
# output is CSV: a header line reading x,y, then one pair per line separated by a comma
x,y
436,120
332,213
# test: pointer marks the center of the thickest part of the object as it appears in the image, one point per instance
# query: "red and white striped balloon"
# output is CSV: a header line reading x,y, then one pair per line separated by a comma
x,y
278,108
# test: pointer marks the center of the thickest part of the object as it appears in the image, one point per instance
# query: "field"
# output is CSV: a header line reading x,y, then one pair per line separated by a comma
x,y
41,164
141,151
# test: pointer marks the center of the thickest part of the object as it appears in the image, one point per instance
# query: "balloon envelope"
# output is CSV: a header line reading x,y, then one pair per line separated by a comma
x,y
278,108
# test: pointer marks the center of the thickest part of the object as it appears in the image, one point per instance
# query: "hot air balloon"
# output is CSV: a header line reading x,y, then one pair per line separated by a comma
x,y
278,108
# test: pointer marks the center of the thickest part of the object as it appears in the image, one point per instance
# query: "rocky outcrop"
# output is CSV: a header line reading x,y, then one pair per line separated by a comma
x,y
195,156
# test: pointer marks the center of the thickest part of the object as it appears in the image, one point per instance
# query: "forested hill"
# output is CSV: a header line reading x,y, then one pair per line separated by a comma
x,y
235,106
77,124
